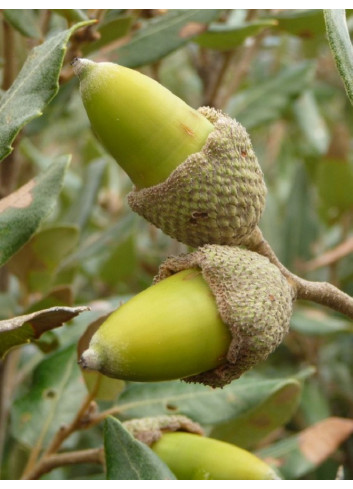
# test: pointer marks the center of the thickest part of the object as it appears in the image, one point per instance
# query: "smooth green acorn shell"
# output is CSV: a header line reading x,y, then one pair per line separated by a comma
x,y
169,331
145,127
190,456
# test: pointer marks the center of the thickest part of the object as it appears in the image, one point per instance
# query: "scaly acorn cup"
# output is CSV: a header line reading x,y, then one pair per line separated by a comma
x,y
196,174
179,443
211,316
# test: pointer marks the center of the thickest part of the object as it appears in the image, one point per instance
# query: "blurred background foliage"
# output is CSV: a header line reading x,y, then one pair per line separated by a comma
x,y
274,72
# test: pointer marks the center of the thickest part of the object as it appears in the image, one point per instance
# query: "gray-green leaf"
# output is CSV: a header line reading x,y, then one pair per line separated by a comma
x,y
225,37
164,35
35,86
22,211
201,403
341,46
129,459
55,396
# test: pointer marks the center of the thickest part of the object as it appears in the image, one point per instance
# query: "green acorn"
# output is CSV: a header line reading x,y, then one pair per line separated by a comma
x,y
191,456
147,129
196,174
180,443
211,316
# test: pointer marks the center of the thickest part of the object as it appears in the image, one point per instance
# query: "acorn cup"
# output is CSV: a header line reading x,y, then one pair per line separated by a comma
x,y
180,443
196,175
210,316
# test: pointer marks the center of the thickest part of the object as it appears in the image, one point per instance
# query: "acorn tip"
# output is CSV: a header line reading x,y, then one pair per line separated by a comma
x,y
80,65
89,360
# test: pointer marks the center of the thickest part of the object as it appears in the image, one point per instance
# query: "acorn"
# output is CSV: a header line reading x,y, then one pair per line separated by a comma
x,y
190,455
195,173
210,316
147,129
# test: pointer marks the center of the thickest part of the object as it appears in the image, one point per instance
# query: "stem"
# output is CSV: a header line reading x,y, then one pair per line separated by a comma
x,y
330,257
50,462
322,293
65,431
60,436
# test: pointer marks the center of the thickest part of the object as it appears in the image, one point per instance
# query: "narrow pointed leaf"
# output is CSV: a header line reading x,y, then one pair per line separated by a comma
x,y
303,23
341,46
34,87
129,459
225,37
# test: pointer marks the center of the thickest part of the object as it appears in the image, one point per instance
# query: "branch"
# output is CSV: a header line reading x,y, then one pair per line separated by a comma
x,y
330,257
322,293
50,462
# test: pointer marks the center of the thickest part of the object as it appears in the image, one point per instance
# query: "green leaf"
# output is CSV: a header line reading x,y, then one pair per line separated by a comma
x,y
129,459
298,455
24,21
55,396
24,329
34,87
201,403
303,23
163,35
37,261
110,32
22,212
341,46
225,37
268,100
273,412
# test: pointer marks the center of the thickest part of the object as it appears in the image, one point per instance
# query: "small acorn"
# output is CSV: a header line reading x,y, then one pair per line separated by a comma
x,y
180,443
196,175
191,456
211,316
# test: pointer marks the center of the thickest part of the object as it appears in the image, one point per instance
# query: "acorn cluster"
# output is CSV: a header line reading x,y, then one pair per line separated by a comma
x,y
218,311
